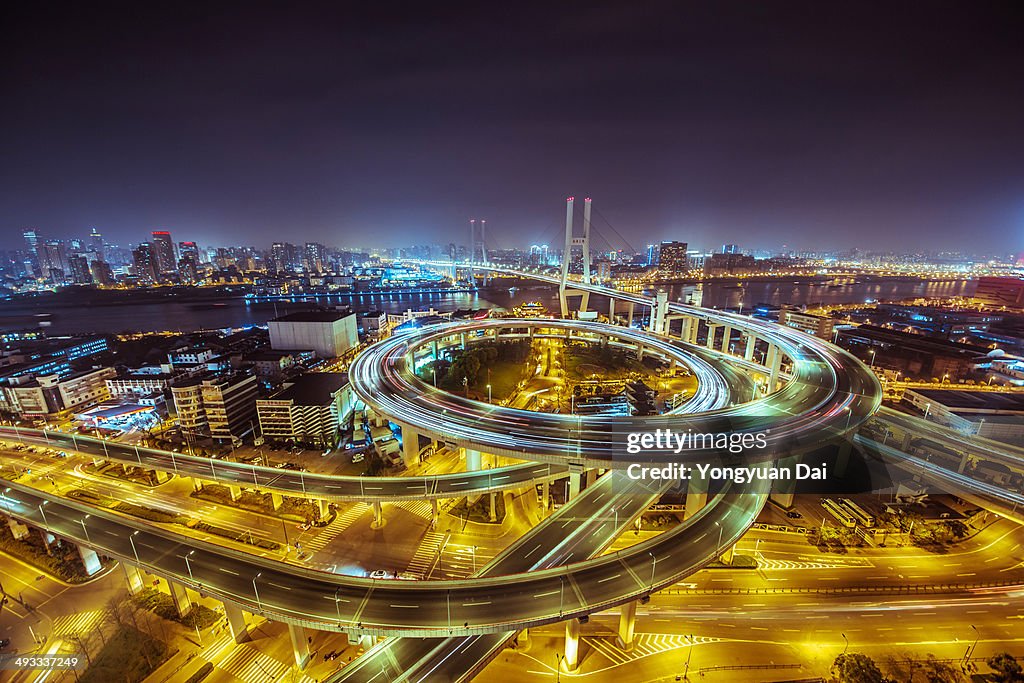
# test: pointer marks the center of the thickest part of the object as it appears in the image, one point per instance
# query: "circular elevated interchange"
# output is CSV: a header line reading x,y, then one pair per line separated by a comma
x,y
824,393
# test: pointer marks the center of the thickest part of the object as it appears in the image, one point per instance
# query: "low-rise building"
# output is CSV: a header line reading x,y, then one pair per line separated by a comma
x,y
221,406
817,325
308,410
991,414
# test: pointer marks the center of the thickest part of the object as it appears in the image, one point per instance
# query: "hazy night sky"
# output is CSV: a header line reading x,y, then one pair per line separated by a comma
x,y
817,124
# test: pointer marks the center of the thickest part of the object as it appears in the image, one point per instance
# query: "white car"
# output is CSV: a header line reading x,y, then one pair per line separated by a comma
x,y
358,457
378,574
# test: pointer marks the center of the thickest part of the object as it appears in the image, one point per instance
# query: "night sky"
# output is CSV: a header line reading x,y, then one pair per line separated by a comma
x,y
810,124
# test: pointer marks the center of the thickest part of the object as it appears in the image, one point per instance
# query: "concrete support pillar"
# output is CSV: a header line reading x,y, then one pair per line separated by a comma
x,y
774,364
300,645
591,475
276,499
639,352
410,446
182,601
710,341
378,514
748,350
572,645
684,330
726,556
783,491
843,458
524,639
726,338
473,460
575,480
234,491
462,340
90,560
160,476
611,310
433,349
236,621
630,323
134,578
627,625
696,496
435,512
324,508
18,530
493,510
963,464
197,484
545,496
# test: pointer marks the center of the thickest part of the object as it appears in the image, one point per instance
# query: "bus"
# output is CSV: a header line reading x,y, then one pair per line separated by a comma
x,y
839,512
859,514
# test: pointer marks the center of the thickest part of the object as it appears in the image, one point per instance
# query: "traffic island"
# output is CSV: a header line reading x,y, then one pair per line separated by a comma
x,y
136,475
162,605
62,561
127,655
289,508
160,516
479,511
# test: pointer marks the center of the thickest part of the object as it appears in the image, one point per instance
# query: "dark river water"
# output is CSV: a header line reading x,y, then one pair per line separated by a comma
x,y
68,318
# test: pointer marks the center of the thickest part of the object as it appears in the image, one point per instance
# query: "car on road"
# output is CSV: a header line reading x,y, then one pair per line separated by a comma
x,y
358,457
378,574
793,514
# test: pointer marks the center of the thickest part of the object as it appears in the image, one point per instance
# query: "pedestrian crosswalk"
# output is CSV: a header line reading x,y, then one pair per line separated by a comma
x,y
426,554
321,538
644,645
246,663
78,624
421,508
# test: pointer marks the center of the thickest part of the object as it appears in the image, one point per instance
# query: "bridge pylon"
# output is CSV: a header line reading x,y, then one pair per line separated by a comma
x,y
565,290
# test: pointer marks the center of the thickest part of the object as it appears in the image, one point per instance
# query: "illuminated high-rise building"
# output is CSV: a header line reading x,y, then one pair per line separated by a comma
x,y
163,253
672,259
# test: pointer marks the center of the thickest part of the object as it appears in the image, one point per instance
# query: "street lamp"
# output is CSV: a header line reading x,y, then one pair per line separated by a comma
x,y
43,513
654,565
977,637
488,393
472,549
255,590
188,565
131,539
873,351
718,548
84,529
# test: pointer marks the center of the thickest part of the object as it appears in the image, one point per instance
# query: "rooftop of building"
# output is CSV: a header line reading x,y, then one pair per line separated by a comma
x,y
313,389
974,400
909,340
311,317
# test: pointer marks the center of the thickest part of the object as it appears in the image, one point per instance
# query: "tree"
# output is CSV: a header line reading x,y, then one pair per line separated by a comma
x,y
854,667
1006,668
940,672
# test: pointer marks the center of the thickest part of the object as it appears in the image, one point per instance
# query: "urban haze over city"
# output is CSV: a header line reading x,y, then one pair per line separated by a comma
x,y
632,342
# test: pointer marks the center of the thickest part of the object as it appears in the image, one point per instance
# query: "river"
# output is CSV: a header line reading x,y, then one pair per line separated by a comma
x,y
149,316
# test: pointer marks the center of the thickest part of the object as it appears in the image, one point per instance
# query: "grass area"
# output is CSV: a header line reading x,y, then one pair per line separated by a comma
x,y
162,605
500,364
64,563
609,362
480,511
128,655
119,471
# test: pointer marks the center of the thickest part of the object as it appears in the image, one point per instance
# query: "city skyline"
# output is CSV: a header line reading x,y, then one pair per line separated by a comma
x,y
372,124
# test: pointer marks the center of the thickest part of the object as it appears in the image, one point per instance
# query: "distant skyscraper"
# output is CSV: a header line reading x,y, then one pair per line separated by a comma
x,y
143,263
730,249
53,260
101,273
284,255
96,244
672,259
188,262
79,270
315,256
32,238
652,254
163,253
